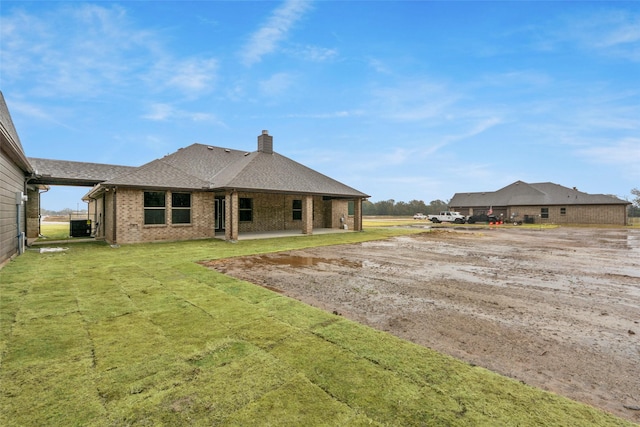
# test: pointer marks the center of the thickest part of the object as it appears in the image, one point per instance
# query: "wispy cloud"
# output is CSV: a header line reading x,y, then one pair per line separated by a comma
x,y
267,38
474,127
314,53
379,65
415,100
623,152
522,78
609,33
160,112
100,51
192,76
95,53
37,113
276,84
329,115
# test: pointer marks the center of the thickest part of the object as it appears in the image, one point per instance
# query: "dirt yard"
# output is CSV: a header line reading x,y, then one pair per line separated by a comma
x,y
555,308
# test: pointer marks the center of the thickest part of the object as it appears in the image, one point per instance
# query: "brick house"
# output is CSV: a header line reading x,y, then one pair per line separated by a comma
x,y
544,202
203,191
15,170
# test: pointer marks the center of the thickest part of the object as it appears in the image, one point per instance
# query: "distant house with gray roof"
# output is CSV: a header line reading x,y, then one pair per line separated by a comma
x,y
202,191
14,172
544,202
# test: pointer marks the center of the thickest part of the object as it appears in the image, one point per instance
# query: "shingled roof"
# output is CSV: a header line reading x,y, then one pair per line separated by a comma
x,y
64,172
11,144
539,194
201,166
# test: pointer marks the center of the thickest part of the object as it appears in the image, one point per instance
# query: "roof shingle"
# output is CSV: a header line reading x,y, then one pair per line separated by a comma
x,y
523,194
64,172
200,166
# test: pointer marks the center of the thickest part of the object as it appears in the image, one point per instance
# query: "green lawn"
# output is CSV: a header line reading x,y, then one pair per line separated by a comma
x,y
54,231
143,335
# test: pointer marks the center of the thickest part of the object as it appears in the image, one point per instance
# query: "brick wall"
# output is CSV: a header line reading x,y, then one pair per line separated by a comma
x,y
109,218
97,215
340,210
275,212
575,214
270,212
130,219
32,207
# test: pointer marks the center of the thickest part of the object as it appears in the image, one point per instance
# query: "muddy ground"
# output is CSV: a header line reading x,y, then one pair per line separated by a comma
x,y
558,309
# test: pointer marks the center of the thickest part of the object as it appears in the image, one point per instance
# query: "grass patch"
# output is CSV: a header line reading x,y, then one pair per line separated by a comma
x,y
54,231
144,335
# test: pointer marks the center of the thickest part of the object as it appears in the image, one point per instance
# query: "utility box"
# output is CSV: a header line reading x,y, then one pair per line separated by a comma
x,y
80,228
21,198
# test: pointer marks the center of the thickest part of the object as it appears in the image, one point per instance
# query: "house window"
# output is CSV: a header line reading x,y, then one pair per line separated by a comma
x,y
563,211
154,207
181,208
297,210
544,212
245,209
351,208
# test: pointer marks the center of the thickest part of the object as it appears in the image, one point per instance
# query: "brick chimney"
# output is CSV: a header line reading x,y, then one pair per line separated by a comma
x,y
265,142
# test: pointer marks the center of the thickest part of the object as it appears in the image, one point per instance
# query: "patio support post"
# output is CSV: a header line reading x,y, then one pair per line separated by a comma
x,y
32,210
231,216
307,215
357,215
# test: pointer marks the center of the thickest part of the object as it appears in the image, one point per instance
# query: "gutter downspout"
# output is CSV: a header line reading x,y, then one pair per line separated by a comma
x,y
40,211
19,234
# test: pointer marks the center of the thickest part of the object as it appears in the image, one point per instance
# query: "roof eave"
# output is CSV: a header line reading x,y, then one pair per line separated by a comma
x,y
16,154
311,193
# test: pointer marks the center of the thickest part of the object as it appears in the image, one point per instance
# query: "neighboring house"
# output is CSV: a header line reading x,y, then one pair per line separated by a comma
x,y
14,172
544,202
203,191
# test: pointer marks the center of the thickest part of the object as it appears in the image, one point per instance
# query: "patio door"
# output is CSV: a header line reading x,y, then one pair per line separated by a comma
x,y
219,213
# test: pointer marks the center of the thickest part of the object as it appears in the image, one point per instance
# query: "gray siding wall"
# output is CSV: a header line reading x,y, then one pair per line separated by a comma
x,y
11,181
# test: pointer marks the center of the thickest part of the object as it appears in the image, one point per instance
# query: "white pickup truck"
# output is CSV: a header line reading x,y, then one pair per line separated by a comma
x,y
448,217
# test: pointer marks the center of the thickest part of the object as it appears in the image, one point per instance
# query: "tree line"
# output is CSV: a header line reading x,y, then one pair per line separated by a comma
x,y
391,207
63,212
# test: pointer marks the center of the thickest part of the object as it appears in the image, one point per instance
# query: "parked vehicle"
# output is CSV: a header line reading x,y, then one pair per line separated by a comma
x,y
448,216
482,218
516,221
419,216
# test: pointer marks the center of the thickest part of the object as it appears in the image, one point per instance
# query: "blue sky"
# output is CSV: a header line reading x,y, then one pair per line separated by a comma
x,y
401,100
